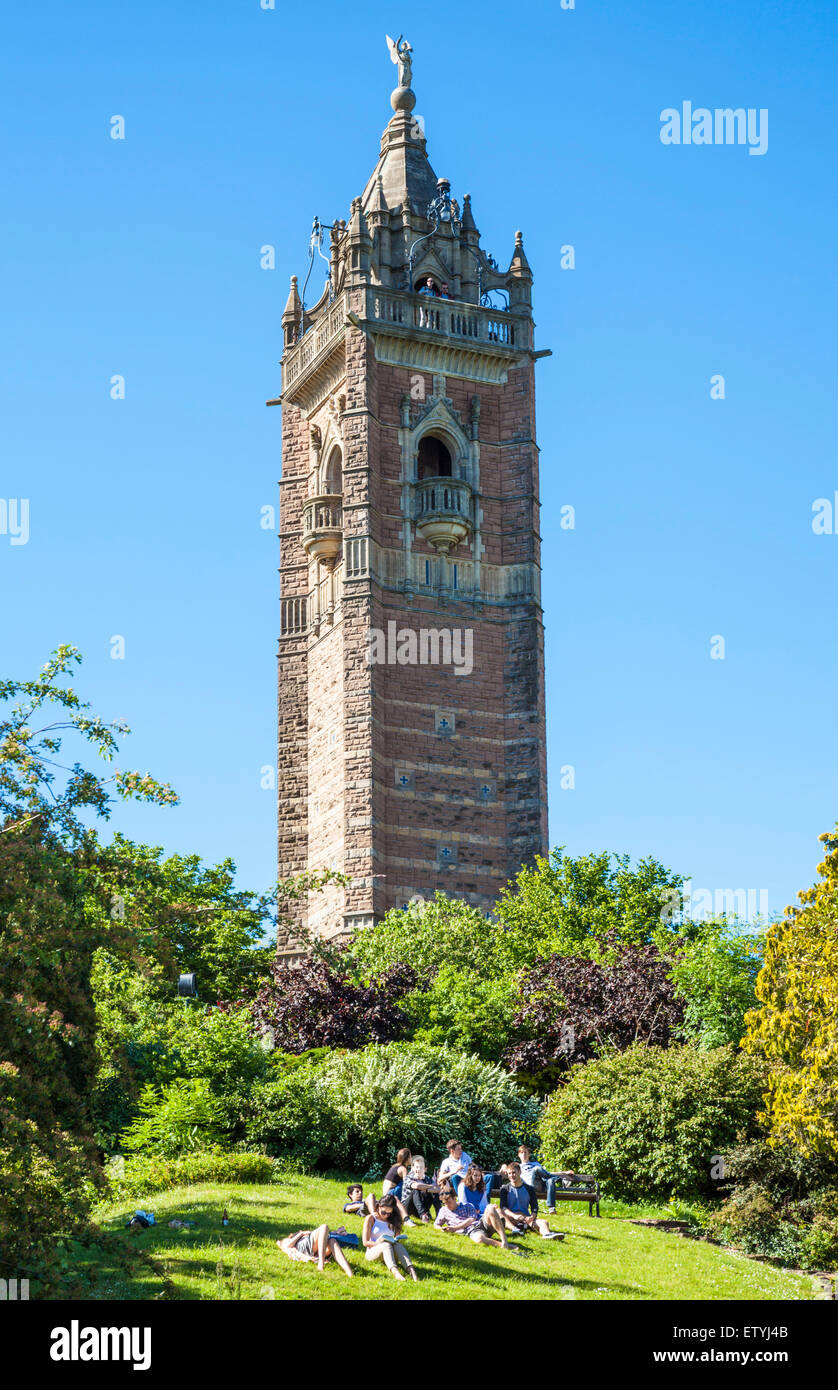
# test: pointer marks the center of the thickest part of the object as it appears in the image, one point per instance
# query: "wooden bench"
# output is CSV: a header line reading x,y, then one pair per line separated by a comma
x,y
582,1189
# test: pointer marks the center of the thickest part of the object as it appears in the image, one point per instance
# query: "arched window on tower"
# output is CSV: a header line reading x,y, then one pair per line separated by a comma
x,y
434,459
333,474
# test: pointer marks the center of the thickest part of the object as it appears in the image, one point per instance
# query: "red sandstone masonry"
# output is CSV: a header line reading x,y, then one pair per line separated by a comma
x,y
349,730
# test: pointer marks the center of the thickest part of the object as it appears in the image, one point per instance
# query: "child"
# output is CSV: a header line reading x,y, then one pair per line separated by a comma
x,y
316,1246
380,1238
419,1196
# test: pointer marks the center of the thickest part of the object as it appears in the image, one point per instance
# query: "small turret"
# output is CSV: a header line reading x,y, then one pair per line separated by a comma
x,y
467,221
291,314
359,245
470,259
378,222
520,278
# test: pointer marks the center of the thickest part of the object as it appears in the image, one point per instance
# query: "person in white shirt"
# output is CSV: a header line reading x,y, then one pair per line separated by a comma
x,y
456,1165
380,1239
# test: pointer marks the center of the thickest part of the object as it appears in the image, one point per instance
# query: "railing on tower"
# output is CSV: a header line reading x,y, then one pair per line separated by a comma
x,y
315,341
450,317
435,495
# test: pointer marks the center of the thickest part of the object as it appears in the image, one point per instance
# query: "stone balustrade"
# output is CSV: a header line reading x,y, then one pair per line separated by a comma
x,y
323,526
449,317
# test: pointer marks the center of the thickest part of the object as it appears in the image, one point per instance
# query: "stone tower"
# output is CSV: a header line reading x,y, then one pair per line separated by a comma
x,y
411,655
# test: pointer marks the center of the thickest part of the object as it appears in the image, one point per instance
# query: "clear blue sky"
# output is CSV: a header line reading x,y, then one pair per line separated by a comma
x,y
141,257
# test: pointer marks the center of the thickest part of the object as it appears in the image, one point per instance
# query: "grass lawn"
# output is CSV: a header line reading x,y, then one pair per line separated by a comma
x,y
599,1259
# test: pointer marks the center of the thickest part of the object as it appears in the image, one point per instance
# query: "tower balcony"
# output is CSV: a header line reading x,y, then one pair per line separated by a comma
x,y
422,333
492,327
323,526
443,512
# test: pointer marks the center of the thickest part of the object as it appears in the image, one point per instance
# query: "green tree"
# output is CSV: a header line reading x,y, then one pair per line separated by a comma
x,y
795,1024
182,915
715,971
567,906
471,966
423,935
47,1054
466,992
174,915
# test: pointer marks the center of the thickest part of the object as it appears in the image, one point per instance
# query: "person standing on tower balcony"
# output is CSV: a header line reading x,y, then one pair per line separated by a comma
x,y
444,291
426,315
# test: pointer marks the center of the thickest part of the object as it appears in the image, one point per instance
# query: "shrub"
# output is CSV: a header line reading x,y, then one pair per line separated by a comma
x,y
784,1174
796,1022
355,1109
143,1040
140,1177
648,1121
570,1008
175,1119
316,1004
780,1205
755,1227
819,1244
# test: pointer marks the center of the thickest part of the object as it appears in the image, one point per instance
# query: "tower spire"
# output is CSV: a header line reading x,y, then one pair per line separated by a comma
x,y
405,174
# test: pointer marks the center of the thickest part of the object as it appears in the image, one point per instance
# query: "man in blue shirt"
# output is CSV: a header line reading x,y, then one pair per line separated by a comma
x,y
519,1206
426,317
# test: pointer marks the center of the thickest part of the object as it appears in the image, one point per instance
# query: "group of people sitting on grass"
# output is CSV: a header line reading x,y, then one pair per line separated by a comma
x,y
458,1197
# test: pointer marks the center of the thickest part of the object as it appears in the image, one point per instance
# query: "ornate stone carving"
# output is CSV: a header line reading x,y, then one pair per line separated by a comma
x,y
400,52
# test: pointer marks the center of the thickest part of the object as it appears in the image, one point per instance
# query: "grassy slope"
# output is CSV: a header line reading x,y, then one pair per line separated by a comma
x,y
605,1259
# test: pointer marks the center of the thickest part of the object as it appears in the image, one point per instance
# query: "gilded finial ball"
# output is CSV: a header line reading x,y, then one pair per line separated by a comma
x,y
403,99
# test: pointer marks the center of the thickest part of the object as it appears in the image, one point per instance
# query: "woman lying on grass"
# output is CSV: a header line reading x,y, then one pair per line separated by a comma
x,y
380,1238
317,1246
